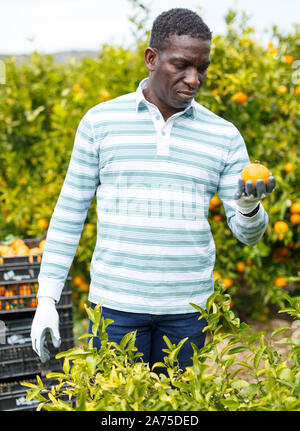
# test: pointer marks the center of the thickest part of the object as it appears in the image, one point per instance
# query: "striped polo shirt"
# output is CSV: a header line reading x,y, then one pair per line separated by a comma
x,y
153,181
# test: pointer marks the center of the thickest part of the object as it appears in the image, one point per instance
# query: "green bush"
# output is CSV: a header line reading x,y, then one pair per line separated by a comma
x,y
115,378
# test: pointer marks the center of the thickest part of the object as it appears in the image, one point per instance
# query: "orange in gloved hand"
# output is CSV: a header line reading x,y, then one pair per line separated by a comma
x,y
254,172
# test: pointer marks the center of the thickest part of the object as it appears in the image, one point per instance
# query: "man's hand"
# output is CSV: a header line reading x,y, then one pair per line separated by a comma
x,y
248,197
46,317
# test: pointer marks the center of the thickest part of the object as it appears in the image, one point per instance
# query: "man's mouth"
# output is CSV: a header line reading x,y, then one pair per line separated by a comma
x,y
186,94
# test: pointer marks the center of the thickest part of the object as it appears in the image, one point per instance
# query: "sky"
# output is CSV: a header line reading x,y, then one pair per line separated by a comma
x,y
50,26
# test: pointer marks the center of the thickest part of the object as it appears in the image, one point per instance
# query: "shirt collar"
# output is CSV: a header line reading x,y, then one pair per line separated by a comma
x,y
141,102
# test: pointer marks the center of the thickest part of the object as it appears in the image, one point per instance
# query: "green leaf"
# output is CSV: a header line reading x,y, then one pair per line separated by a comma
x,y
257,358
244,364
66,366
159,364
238,384
230,404
29,385
237,350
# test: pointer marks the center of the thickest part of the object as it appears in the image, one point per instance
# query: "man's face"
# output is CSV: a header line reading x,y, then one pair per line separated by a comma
x,y
178,71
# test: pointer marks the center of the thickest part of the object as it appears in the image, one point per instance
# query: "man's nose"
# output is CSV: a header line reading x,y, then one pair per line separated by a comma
x,y
192,77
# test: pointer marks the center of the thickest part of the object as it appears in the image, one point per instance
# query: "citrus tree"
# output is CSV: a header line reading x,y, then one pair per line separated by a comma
x,y
254,86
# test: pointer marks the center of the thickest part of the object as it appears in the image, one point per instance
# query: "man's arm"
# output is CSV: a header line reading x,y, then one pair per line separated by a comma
x,y
248,227
66,224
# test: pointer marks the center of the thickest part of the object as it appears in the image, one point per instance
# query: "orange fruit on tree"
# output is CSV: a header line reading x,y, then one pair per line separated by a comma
x,y
77,89
214,202
297,90
295,208
280,282
282,89
289,167
281,227
217,275
254,172
240,266
217,217
78,280
241,98
288,59
43,223
228,282
295,218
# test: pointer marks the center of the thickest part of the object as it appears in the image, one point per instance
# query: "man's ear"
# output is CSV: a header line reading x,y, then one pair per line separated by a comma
x,y
151,57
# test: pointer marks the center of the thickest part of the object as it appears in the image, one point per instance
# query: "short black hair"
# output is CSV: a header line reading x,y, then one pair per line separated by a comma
x,y
179,21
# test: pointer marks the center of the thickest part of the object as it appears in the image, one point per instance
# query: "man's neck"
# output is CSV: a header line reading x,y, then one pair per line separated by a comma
x,y
166,111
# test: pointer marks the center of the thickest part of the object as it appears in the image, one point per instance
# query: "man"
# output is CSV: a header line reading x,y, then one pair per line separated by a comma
x,y
154,158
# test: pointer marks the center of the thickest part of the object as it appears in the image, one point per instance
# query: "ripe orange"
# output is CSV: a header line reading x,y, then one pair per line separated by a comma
x,y
43,223
295,208
22,251
249,262
282,89
105,94
18,242
288,59
228,282
272,49
42,244
281,227
35,250
241,98
254,172
78,280
295,218
240,266
280,282
217,275
297,90
289,167
214,202
77,89
217,217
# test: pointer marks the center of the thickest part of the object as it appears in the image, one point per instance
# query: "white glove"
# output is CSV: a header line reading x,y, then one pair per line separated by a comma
x,y
46,317
247,196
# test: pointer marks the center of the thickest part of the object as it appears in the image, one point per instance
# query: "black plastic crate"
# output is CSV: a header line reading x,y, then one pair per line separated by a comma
x,y
19,282
20,296
31,243
17,358
13,395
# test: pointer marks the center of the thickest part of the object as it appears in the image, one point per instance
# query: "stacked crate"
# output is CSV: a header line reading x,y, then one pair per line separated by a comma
x,y
18,361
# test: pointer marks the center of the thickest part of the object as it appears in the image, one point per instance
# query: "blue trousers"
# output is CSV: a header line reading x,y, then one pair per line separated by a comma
x,y
150,330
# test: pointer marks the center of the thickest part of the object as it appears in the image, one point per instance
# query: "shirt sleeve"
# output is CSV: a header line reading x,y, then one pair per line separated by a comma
x,y
248,230
66,224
